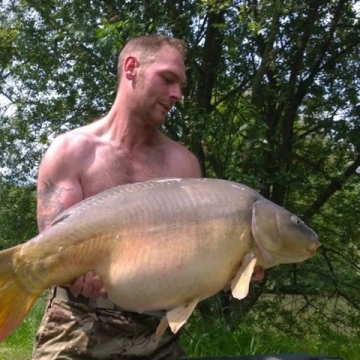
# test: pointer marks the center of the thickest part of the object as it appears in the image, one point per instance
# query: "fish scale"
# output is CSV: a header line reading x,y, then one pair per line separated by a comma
x,y
161,244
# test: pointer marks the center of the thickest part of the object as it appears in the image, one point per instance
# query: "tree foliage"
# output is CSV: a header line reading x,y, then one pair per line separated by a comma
x,y
272,101
17,214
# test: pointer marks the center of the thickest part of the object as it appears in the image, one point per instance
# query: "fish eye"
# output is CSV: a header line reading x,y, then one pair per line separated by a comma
x,y
296,220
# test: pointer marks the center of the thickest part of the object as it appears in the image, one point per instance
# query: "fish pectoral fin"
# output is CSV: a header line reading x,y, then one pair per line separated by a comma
x,y
60,218
178,316
240,283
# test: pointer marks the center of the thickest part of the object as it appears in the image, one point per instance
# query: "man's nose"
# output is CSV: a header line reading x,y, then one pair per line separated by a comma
x,y
176,92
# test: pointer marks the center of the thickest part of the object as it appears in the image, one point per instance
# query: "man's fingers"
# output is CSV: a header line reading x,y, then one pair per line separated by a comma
x,y
258,274
77,285
97,286
103,293
88,285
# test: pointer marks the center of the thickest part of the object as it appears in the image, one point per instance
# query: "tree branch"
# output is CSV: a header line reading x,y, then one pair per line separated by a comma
x,y
335,185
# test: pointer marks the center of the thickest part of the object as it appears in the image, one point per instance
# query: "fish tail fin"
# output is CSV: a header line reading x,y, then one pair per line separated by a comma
x,y
15,300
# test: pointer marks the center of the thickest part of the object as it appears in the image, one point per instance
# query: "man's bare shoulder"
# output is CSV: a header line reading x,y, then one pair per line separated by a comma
x,y
185,161
67,154
77,142
176,147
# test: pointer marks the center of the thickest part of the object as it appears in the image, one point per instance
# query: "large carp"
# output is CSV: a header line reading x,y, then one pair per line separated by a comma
x,y
161,244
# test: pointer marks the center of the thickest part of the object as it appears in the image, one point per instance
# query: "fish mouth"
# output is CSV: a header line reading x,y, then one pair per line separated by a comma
x,y
313,247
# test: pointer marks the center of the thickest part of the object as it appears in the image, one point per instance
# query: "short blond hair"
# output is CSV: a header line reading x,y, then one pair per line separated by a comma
x,y
146,47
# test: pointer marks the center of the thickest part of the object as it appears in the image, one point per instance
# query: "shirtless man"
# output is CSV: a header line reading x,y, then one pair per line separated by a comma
x,y
125,146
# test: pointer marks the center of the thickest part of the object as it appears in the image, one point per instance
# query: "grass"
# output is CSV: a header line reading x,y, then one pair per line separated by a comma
x,y
211,338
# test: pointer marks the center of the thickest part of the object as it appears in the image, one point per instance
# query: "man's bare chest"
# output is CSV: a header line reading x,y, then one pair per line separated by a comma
x,y
107,172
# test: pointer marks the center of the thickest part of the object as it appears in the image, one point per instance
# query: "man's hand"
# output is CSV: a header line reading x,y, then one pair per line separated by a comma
x,y
88,285
258,274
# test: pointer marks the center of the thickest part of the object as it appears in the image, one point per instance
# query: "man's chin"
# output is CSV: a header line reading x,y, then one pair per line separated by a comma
x,y
159,121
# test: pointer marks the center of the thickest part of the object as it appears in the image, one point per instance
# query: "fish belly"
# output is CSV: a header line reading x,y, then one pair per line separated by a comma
x,y
163,269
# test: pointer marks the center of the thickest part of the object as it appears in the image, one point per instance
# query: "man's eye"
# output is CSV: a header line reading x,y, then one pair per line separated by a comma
x,y
166,79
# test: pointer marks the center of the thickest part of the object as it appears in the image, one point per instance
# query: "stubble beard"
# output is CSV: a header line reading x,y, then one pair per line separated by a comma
x,y
148,107
148,112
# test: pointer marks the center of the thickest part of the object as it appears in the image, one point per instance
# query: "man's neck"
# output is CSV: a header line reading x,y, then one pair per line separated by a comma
x,y
128,132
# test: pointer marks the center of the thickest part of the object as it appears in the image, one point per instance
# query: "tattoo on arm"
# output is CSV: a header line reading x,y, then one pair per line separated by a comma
x,y
49,203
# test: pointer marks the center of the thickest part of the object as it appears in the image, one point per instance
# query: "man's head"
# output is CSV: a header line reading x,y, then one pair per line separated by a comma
x,y
151,76
145,48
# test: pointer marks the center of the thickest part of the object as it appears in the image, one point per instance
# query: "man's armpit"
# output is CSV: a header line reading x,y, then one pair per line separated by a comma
x,y
49,203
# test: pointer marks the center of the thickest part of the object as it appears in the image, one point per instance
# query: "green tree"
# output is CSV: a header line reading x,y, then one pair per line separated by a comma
x,y
17,214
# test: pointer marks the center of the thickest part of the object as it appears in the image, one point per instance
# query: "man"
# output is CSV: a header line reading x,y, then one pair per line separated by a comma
x,y
125,146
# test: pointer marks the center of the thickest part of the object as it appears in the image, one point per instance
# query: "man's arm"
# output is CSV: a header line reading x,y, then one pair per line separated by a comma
x,y
58,188
52,199
58,185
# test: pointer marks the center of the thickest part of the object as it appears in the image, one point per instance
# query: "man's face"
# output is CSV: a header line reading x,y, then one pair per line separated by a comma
x,y
159,85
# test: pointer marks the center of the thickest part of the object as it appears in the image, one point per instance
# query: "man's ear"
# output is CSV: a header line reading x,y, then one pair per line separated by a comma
x,y
131,65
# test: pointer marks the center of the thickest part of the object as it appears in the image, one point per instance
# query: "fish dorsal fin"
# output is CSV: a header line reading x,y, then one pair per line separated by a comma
x,y
240,283
177,317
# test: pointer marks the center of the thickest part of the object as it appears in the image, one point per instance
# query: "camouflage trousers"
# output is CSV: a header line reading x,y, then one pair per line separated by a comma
x,y
70,330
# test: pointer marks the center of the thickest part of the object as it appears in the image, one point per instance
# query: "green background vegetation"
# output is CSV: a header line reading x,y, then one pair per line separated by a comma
x,y
256,334
272,101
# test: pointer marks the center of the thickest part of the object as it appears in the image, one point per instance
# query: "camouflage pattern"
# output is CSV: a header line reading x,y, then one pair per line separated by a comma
x,y
70,330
